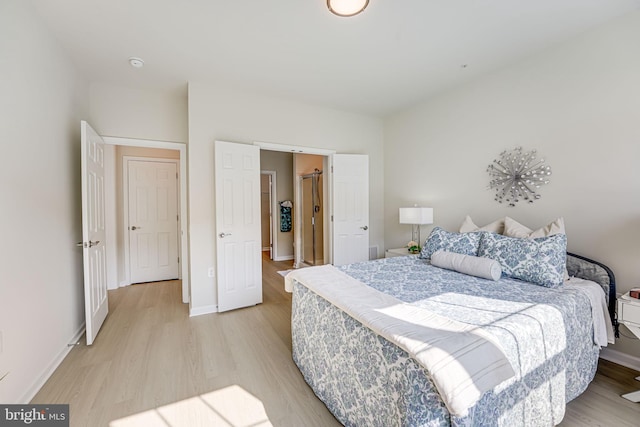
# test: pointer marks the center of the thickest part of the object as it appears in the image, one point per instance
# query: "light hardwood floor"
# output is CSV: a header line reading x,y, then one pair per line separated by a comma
x,y
152,365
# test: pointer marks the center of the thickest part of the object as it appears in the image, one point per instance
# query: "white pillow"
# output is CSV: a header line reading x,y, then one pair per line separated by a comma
x,y
469,226
513,228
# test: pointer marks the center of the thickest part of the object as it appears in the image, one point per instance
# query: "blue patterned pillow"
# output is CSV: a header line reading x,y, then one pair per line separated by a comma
x,y
461,243
541,261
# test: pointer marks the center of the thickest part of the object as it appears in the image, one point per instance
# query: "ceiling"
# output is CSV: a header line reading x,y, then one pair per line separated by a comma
x,y
393,55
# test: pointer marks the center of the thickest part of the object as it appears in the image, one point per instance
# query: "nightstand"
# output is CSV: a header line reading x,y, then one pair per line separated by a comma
x,y
629,315
397,252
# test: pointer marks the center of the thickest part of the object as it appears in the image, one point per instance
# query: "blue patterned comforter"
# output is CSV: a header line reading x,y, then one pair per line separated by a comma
x,y
364,380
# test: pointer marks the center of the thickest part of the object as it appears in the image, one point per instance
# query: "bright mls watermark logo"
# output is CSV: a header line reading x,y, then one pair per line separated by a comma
x,y
34,415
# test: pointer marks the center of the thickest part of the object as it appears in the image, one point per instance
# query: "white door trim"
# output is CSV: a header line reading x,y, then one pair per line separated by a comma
x,y
184,247
111,220
297,218
293,148
125,209
329,205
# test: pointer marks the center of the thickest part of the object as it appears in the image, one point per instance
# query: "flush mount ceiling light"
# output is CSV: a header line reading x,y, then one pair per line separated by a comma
x,y
347,7
136,62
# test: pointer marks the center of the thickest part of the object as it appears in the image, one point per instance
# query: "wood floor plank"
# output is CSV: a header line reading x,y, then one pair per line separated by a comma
x,y
152,364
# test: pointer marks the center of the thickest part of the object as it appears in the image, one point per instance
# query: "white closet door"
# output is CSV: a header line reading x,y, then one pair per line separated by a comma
x,y
350,181
238,248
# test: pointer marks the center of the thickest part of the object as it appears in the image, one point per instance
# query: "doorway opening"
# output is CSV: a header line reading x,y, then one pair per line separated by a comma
x,y
301,202
161,245
277,165
311,211
267,212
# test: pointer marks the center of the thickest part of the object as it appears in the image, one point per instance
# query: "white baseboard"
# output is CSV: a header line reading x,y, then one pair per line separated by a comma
x,y
283,258
199,311
46,374
620,358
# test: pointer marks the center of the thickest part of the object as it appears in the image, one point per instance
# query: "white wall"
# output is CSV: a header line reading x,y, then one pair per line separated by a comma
x,y
41,293
578,104
226,113
141,114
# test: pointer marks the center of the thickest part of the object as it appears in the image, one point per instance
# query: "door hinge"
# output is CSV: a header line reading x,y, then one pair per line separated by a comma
x,y
176,175
178,260
331,218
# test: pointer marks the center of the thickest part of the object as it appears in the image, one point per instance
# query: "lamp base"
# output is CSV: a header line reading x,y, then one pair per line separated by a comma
x,y
415,234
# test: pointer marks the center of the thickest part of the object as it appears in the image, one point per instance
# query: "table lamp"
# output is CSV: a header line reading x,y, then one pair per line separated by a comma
x,y
416,216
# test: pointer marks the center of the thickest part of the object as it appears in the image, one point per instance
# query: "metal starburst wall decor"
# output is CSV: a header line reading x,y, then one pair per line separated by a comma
x,y
517,175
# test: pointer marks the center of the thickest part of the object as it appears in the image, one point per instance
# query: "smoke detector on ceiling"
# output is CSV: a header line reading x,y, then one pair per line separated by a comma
x,y
136,62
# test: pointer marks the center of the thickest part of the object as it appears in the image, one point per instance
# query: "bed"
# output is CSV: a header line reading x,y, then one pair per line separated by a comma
x,y
545,341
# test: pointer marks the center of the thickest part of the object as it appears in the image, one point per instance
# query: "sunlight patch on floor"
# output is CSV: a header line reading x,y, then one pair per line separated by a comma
x,y
231,406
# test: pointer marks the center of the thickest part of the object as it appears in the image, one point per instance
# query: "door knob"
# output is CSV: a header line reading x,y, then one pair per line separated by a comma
x,y
223,235
365,228
133,228
88,245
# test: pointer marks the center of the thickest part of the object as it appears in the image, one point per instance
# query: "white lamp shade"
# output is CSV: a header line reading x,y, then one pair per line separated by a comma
x,y
416,215
346,7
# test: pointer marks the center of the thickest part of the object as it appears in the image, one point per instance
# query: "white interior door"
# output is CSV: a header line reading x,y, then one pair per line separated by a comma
x,y
238,248
153,220
350,182
93,231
